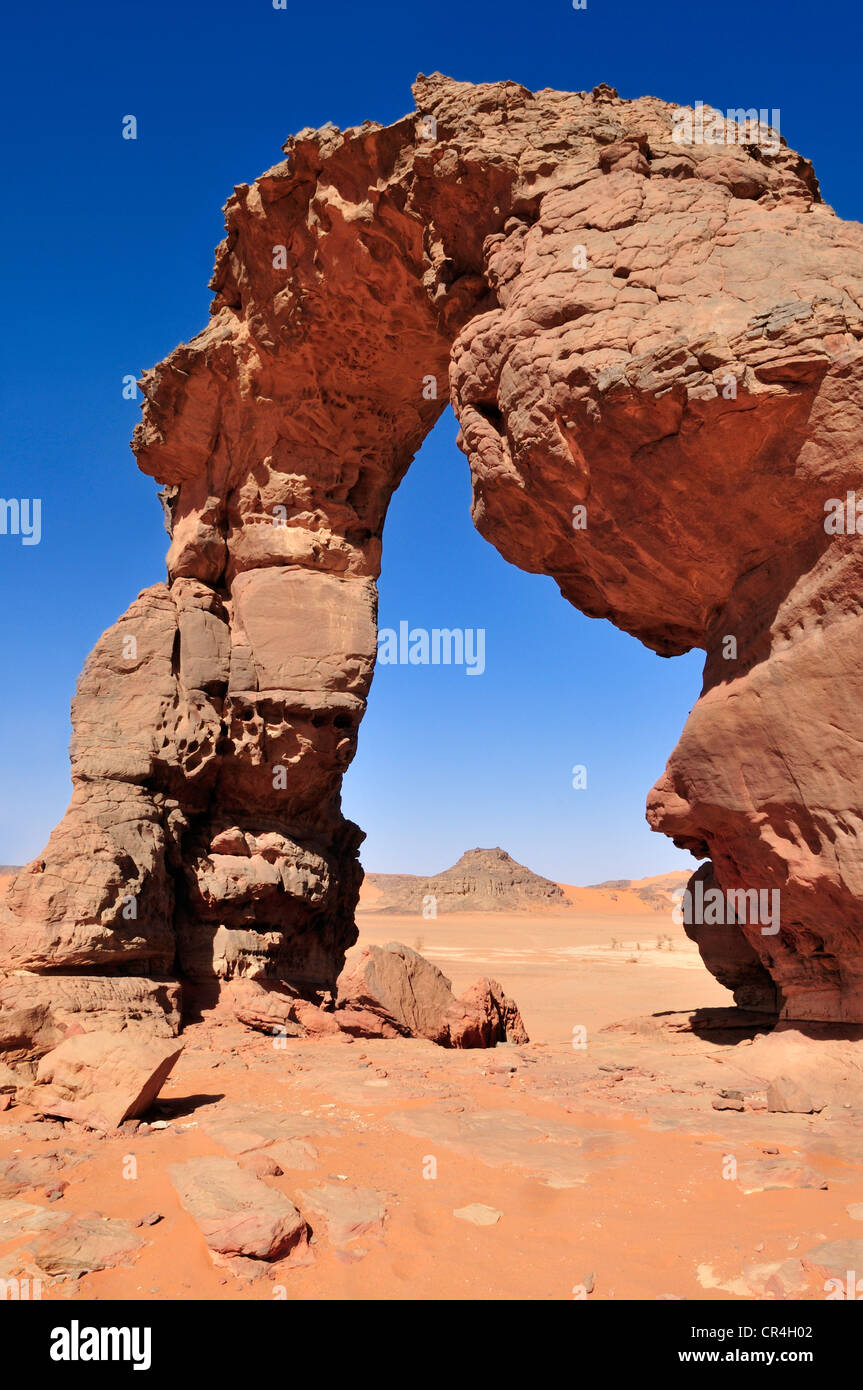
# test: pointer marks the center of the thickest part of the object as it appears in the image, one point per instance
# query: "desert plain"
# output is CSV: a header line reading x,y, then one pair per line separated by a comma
x,y
517,1172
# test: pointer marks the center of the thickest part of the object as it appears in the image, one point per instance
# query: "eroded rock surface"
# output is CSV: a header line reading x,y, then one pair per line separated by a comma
x,y
654,355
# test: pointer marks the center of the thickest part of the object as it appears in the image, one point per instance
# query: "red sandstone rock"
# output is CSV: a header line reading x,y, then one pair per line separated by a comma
x,y
264,1005
316,1022
262,1164
728,955
347,1212
391,991
768,1174
9,1080
787,1096
101,1079
22,1172
484,1016
654,356
272,1007
67,1245
236,1212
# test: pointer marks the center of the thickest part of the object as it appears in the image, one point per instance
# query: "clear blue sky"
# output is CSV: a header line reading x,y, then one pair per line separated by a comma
x,y
107,250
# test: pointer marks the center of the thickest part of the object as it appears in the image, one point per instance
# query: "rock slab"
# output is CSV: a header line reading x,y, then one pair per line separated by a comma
x,y
237,1214
101,1079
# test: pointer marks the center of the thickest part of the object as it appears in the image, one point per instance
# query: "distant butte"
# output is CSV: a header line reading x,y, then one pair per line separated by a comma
x,y
483,880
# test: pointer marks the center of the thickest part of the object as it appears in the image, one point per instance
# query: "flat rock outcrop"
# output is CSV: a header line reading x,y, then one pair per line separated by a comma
x,y
653,351
347,1213
483,880
63,1245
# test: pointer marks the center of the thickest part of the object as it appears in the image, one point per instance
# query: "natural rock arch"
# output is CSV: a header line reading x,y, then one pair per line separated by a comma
x,y
665,334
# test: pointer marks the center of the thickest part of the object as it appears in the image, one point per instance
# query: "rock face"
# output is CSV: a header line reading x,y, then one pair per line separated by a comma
x,y
653,348
483,880
37,1011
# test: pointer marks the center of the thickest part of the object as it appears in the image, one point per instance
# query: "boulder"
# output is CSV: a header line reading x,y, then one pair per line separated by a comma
x,y
101,1079
388,991
484,1016
265,1005
392,991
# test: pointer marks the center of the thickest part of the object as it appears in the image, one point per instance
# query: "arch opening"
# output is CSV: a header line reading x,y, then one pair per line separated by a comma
x,y
661,443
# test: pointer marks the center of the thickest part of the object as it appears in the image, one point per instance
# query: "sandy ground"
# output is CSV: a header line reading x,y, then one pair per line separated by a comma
x,y
607,1169
565,969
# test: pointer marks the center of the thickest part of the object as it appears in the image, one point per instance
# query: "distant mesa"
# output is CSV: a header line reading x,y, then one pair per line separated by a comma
x,y
483,880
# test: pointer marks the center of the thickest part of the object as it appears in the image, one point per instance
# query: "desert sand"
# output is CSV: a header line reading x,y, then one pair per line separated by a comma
x,y
518,1172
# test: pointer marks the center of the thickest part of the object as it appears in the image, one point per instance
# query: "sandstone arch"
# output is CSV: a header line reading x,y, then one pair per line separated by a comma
x,y
691,375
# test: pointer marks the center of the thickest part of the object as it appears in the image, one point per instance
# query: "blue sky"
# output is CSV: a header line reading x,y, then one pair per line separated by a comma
x,y
107,250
